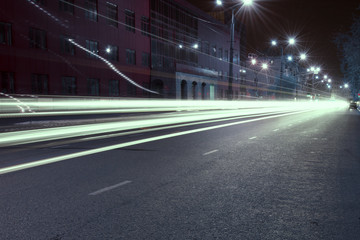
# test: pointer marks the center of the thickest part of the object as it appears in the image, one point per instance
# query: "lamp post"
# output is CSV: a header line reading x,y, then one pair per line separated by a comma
x,y
232,30
290,41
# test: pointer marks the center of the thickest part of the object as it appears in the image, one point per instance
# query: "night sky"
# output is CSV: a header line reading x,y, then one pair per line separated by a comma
x,y
314,23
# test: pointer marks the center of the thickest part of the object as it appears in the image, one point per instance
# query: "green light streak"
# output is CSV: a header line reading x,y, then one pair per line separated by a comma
x,y
131,143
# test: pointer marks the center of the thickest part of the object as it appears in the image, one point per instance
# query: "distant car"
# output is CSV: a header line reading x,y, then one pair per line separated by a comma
x,y
352,105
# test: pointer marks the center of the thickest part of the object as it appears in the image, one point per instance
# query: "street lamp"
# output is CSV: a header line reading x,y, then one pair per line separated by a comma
x,y
346,85
290,41
232,30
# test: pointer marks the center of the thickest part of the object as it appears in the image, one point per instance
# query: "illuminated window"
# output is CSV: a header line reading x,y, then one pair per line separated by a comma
x,y
93,87
112,14
112,53
92,46
114,88
130,57
37,38
69,85
67,6
130,20
91,10
66,46
145,26
7,82
220,54
39,83
5,33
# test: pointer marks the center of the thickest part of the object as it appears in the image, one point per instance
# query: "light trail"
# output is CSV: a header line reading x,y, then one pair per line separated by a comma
x,y
132,143
57,133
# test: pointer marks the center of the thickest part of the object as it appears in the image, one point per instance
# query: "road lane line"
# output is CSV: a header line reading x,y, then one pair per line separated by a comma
x,y
65,157
213,151
275,130
252,138
290,125
109,188
60,146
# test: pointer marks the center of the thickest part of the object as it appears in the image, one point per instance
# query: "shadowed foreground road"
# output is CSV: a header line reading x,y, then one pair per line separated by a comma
x,y
288,177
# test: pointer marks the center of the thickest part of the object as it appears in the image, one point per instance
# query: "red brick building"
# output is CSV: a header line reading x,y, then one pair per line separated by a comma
x,y
170,47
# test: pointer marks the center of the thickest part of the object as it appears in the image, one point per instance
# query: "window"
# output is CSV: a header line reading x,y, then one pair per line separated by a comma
x,y
91,10
130,57
112,14
39,83
5,33
226,55
69,85
236,59
206,47
7,82
114,88
66,46
145,59
37,38
42,2
93,87
67,6
220,55
131,89
112,53
213,50
92,46
145,27
129,20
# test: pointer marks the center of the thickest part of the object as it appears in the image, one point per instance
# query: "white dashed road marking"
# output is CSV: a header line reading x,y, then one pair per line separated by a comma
x,y
109,188
214,151
252,138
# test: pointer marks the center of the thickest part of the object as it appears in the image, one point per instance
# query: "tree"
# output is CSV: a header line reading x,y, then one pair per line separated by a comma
x,y
349,47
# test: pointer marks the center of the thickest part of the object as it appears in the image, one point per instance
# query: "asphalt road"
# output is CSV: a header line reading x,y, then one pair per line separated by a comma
x,y
294,176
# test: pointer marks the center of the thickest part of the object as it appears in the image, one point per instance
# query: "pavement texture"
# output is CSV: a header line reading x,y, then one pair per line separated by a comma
x,y
292,177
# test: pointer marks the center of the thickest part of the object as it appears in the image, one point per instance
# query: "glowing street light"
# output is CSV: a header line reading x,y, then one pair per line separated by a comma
x,y
264,66
232,34
292,41
273,42
329,80
247,2
325,76
108,50
253,61
303,56
196,46
180,46
346,85
290,58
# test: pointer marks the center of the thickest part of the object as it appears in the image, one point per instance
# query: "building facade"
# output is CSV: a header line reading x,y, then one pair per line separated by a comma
x,y
115,48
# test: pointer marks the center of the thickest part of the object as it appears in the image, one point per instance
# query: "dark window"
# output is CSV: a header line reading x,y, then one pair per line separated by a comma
x,y
145,59
129,20
37,38
7,82
39,83
66,46
69,85
206,48
93,87
213,50
67,6
112,14
145,26
91,10
114,88
220,54
92,46
112,53
42,2
130,57
5,33
131,90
